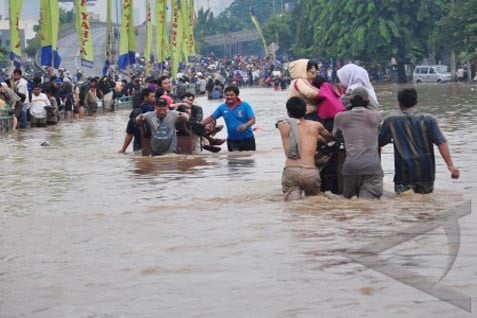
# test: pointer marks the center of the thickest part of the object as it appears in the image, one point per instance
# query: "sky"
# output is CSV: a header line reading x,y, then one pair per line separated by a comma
x,y
31,8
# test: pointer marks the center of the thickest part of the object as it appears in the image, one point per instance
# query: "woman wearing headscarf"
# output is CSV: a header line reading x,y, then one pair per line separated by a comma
x,y
352,76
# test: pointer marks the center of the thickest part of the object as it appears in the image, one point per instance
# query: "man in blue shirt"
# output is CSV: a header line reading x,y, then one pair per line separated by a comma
x,y
413,135
239,118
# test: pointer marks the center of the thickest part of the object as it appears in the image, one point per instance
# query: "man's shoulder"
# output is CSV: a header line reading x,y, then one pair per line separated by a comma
x,y
394,115
244,104
312,123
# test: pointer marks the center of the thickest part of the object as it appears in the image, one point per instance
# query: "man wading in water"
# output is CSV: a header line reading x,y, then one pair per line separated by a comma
x,y
300,138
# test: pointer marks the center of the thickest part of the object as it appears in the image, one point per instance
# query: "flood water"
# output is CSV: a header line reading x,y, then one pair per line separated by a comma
x,y
87,232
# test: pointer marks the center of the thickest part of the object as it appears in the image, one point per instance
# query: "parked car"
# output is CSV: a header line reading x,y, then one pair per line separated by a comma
x,y
431,74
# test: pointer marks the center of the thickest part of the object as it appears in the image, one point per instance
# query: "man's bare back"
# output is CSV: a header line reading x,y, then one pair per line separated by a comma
x,y
310,133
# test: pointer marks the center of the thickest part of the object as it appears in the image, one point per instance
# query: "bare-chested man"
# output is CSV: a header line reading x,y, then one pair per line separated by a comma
x,y
300,138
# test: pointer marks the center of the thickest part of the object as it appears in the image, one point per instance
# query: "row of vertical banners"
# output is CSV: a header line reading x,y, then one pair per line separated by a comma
x,y
178,45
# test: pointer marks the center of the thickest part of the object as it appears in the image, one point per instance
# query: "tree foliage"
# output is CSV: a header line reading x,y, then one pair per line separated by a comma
x,y
375,30
457,29
372,30
278,29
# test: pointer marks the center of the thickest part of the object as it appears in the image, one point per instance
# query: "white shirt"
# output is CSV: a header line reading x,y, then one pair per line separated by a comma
x,y
37,105
22,87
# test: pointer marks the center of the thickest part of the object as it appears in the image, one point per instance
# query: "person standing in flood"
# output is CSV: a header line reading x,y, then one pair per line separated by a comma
x,y
239,119
362,172
300,138
162,126
413,135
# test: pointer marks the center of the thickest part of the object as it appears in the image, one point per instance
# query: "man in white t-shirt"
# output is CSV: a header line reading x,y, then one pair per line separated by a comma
x,y
21,87
37,108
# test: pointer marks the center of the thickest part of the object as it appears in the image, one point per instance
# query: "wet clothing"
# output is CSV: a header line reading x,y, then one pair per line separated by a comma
x,y
52,112
364,187
132,128
360,129
296,180
241,145
163,132
37,106
91,101
413,135
12,99
235,117
293,151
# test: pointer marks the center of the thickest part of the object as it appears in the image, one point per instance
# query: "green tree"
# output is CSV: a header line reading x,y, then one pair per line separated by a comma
x,y
278,29
204,26
66,17
34,44
373,30
457,29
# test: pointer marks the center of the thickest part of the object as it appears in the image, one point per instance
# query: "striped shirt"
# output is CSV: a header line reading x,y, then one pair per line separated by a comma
x,y
413,135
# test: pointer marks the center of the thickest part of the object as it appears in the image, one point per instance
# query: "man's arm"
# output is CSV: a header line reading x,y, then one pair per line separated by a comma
x,y
182,116
244,126
444,150
385,134
207,120
284,129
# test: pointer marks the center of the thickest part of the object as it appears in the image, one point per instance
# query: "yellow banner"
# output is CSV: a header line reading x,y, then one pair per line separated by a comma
x,y
45,25
84,33
132,35
15,7
55,23
260,33
147,49
123,60
192,25
185,29
109,28
161,30
176,38
50,21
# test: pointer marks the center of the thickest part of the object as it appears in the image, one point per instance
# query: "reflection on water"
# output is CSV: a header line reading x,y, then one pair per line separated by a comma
x,y
87,232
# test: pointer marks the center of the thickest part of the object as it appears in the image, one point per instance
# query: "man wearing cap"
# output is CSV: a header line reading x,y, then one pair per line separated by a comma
x,y
161,125
362,172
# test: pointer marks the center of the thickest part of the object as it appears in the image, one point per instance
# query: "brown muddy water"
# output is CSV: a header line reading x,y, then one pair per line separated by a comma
x,y
87,232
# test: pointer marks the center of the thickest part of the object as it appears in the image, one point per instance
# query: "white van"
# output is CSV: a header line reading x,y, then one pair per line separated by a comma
x,y
431,74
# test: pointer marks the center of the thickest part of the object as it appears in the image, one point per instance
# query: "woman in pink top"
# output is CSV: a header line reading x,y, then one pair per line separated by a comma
x,y
328,101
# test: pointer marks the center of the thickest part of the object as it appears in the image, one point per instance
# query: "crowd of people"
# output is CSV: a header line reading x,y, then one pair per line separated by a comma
x,y
321,113
327,122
